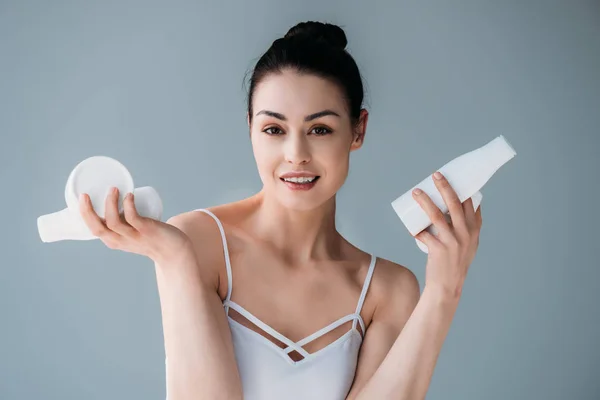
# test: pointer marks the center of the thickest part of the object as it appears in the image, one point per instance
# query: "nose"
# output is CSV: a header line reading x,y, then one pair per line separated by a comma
x,y
297,149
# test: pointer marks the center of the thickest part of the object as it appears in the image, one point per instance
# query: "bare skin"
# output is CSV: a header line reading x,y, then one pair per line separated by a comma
x,y
282,292
291,267
197,338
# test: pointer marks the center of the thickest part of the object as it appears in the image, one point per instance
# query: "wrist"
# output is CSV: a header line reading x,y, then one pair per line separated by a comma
x,y
182,254
444,293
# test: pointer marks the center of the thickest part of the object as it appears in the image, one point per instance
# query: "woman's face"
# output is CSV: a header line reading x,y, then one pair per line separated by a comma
x,y
301,124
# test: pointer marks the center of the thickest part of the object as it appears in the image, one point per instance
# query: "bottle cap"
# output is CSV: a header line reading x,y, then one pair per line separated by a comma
x,y
95,176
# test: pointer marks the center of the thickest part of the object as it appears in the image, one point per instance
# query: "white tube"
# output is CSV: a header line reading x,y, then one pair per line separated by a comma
x,y
68,225
63,225
467,174
148,203
95,176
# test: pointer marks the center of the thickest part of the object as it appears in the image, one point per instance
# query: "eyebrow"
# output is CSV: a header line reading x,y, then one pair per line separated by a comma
x,y
306,119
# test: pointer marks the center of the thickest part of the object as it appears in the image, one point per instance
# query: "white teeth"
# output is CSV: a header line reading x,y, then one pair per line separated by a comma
x,y
304,179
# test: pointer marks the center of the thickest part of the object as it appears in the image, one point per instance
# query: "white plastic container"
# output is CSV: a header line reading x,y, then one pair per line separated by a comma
x,y
467,174
95,176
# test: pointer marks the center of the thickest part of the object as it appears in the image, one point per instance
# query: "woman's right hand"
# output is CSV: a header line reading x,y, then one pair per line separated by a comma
x,y
133,233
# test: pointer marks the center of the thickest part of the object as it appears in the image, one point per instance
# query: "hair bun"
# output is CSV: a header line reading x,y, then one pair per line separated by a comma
x,y
319,31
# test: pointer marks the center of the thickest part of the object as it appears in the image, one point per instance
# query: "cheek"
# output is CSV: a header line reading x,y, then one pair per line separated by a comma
x,y
266,158
335,161
341,165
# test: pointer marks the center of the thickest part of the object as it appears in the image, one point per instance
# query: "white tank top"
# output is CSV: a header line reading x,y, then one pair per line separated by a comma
x,y
268,373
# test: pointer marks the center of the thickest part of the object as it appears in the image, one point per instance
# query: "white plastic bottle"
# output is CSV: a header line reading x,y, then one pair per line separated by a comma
x,y
95,176
467,174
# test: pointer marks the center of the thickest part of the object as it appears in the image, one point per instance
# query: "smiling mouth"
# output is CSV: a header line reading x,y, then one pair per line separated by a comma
x,y
301,181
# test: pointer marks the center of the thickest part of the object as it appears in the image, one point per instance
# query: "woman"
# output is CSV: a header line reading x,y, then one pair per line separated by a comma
x,y
307,314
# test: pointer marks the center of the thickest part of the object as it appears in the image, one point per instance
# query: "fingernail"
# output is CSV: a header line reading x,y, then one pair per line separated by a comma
x,y
115,190
437,175
417,191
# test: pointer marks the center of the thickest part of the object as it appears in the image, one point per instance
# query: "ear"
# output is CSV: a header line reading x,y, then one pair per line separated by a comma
x,y
360,131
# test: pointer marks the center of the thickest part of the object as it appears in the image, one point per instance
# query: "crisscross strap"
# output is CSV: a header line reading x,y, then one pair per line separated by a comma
x,y
268,329
298,346
364,291
328,328
225,250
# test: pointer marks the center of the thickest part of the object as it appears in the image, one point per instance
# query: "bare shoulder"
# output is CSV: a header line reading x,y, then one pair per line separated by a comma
x,y
190,222
205,235
198,225
393,277
396,290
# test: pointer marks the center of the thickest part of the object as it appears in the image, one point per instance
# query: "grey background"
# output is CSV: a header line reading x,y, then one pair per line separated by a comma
x,y
158,86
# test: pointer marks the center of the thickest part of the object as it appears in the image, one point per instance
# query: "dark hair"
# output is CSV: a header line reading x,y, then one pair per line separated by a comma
x,y
315,48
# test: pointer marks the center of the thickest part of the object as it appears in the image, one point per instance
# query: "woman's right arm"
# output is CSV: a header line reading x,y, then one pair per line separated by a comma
x,y
200,360
198,345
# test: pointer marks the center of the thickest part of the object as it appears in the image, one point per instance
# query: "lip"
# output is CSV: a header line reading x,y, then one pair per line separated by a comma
x,y
298,174
300,186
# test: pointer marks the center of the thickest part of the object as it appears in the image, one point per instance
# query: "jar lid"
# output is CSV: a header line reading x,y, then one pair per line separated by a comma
x,y
95,176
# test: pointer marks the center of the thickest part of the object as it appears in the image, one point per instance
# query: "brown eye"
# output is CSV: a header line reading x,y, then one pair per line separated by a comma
x,y
278,131
321,131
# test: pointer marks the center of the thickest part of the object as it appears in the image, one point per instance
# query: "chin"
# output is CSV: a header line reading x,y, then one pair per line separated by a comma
x,y
304,200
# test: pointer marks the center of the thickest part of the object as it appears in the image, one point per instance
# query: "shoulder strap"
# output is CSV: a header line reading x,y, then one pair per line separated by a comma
x,y
365,288
225,250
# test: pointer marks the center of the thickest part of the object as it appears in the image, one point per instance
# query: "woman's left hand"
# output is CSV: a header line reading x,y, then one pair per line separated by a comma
x,y
451,252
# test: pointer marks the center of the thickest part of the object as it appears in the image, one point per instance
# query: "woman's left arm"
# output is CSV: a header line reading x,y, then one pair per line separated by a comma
x,y
403,342
406,370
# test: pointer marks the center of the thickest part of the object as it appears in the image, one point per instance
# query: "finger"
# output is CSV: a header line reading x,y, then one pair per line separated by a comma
x,y
112,217
455,208
428,239
433,212
469,212
478,217
93,221
131,215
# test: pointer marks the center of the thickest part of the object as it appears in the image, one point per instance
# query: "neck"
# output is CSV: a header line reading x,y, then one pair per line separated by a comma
x,y
300,236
